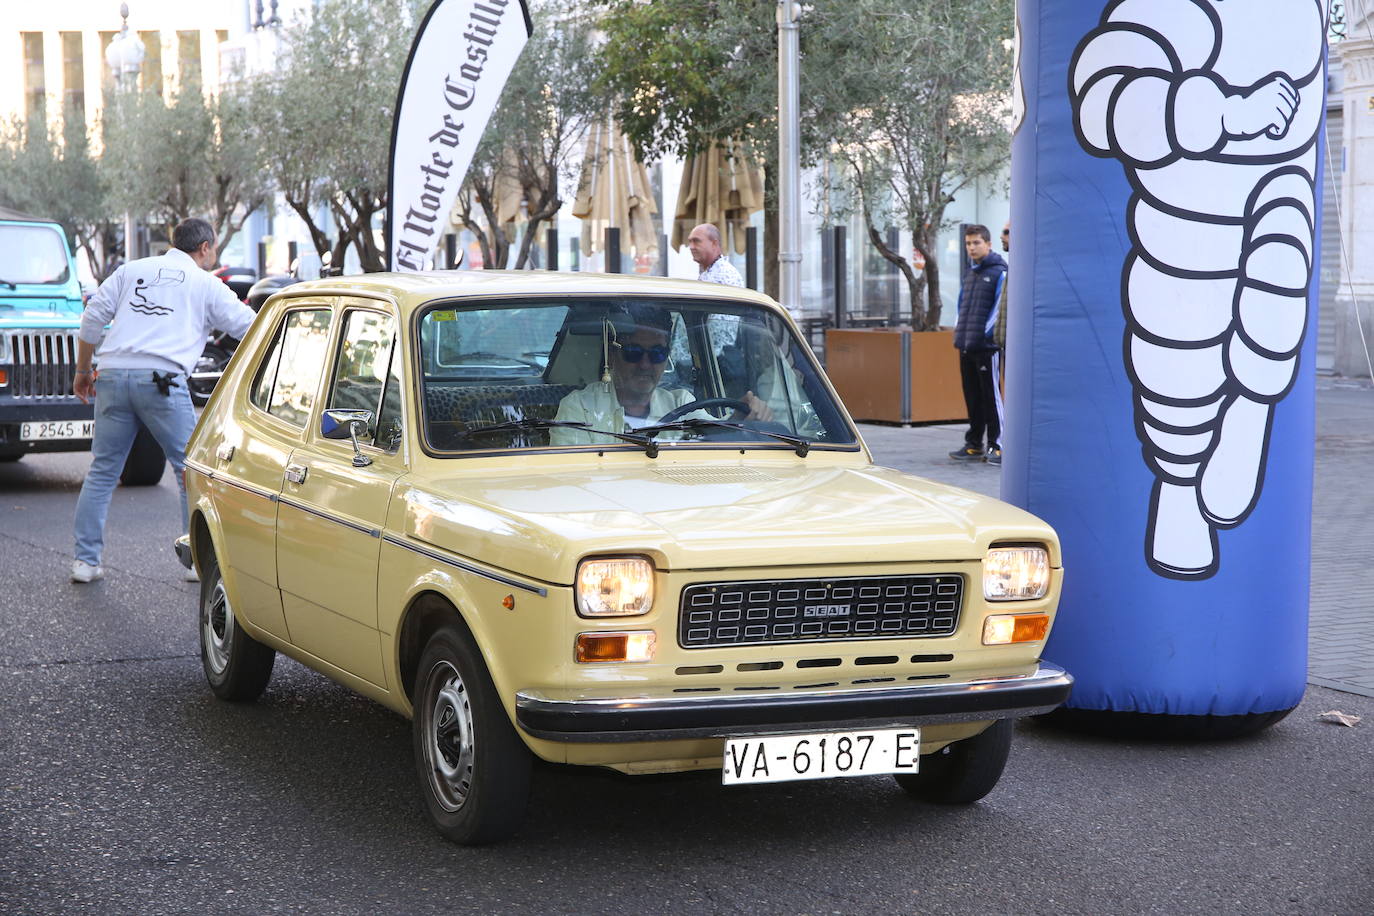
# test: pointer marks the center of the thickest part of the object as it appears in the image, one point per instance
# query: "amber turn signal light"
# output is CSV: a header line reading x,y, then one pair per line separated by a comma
x,y
1003,629
637,646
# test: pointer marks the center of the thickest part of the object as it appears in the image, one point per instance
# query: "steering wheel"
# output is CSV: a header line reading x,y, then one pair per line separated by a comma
x,y
678,413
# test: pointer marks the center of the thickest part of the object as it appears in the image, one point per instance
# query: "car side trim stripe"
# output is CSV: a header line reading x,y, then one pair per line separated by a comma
x,y
311,510
211,475
466,567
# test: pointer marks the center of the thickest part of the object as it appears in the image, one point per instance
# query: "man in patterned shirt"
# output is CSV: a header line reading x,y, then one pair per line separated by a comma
x,y
704,243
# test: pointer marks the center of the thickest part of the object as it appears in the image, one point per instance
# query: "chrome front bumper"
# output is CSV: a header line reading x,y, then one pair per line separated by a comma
x,y
673,716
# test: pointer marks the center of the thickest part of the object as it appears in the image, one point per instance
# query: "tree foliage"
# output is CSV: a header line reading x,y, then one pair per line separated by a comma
x,y
527,152
925,117
191,155
324,118
51,173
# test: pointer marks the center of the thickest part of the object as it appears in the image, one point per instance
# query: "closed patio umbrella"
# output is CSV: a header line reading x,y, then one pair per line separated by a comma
x,y
614,191
723,187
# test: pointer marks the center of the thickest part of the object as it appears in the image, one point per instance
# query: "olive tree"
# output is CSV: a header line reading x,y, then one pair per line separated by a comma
x,y
187,155
323,119
50,172
687,74
925,117
528,151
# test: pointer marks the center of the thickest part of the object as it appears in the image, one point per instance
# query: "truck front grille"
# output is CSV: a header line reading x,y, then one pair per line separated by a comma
x,y
812,610
43,362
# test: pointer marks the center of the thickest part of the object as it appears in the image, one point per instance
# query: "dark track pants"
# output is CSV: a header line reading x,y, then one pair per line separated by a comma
x,y
981,372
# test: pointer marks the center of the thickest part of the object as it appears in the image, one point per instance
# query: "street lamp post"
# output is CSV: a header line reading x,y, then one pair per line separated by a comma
x,y
789,156
125,59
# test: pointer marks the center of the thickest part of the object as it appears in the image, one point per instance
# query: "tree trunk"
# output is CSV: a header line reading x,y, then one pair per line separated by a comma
x,y
550,203
912,281
933,305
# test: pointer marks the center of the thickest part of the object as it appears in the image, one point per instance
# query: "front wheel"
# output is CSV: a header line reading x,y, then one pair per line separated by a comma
x,y
963,772
236,665
474,769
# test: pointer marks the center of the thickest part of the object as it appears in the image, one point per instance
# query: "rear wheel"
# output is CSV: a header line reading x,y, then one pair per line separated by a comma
x,y
474,770
146,462
14,456
963,772
236,665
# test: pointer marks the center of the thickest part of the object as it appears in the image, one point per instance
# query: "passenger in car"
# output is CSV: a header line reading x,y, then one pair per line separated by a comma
x,y
629,395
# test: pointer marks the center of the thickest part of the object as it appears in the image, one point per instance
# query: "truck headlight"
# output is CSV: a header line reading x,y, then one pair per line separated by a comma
x,y
4,347
615,587
1016,573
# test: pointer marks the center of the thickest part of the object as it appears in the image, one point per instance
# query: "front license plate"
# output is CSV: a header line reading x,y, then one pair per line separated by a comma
x,y
56,429
778,758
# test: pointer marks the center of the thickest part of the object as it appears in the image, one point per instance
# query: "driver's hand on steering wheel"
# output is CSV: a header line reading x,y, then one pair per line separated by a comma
x,y
758,410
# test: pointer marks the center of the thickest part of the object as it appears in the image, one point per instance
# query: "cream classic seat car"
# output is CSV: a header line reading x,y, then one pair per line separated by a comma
x,y
602,520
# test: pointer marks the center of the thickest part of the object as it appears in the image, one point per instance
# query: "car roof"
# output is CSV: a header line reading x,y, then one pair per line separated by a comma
x,y
15,216
411,290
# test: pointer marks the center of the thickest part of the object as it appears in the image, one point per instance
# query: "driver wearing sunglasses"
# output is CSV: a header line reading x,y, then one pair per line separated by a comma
x,y
634,398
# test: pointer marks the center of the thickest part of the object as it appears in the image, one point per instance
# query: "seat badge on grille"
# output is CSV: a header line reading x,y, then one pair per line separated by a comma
x,y
826,610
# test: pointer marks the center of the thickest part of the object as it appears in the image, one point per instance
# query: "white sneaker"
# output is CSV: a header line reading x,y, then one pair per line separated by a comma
x,y
190,575
85,572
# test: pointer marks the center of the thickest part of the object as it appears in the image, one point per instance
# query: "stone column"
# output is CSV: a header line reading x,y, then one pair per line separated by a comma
x,y
1355,296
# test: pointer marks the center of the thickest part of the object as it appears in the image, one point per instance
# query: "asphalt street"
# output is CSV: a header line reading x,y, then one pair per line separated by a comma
x,y
125,787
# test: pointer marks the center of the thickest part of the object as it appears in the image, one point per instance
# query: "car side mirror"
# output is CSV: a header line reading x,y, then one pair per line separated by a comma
x,y
340,423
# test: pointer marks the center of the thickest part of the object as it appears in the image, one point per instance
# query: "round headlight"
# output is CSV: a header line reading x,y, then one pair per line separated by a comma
x,y
1016,573
615,587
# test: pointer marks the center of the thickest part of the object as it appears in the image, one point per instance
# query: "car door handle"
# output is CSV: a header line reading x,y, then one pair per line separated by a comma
x,y
225,452
296,473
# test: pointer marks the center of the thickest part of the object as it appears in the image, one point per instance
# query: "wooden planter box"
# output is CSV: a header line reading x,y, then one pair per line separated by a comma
x,y
894,375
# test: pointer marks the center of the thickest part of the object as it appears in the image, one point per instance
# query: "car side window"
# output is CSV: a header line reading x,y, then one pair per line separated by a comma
x,y
289,377
365,377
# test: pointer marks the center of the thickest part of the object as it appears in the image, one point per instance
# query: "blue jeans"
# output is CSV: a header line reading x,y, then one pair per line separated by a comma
x,y
123,398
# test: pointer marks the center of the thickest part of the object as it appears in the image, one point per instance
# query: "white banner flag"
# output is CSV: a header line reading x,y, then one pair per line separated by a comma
x,y
461,58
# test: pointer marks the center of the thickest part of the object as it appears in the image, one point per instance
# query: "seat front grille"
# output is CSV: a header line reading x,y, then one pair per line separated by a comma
x,y
813,610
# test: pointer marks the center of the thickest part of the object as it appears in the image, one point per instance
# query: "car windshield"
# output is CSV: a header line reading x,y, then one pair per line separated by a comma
x,y
620,373
32,254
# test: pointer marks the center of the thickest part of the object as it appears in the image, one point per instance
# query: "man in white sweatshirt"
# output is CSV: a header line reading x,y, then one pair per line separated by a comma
x,y
158,311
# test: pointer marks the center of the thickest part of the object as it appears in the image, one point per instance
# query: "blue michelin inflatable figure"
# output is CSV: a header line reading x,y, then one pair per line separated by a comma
x,y
1169,292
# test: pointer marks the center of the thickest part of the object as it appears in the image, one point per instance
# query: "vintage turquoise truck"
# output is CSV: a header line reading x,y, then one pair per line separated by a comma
x,y
40,312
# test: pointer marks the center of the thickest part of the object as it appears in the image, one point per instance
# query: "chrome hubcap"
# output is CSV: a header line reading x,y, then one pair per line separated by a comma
x,y
447,728
217,628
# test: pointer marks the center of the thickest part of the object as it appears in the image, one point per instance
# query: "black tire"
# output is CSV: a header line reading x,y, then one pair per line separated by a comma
x,y
474,770
145,464
236,665
213,358
5,459
963,772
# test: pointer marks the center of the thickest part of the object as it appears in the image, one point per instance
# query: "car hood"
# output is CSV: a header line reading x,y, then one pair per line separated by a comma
x,y
45,311
700,517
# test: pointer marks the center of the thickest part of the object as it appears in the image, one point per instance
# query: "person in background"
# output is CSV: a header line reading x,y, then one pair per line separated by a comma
x,y
159,311
712,264
979,360
999,333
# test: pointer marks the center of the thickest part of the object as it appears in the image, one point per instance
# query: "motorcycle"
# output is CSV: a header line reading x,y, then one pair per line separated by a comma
x,y
220,347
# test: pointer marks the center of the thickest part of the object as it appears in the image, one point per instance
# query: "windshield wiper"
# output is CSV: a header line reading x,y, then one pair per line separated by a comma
x,y
7,284
802,446
646,442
